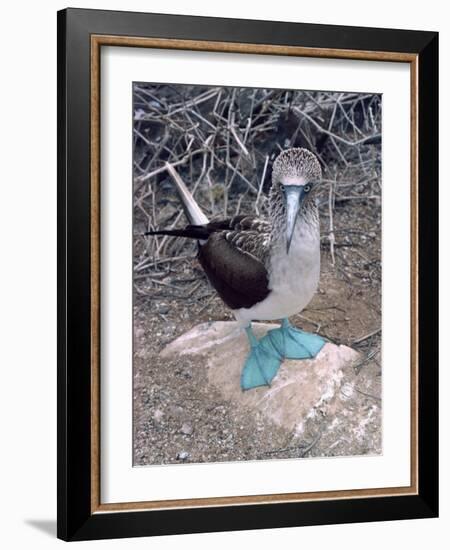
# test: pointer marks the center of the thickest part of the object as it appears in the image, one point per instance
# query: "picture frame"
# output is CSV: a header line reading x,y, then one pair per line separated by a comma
x,y
81,36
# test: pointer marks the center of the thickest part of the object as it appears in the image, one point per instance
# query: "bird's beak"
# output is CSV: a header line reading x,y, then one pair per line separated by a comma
x,y
294,195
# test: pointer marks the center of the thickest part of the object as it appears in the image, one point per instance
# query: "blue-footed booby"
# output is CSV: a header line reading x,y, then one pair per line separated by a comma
x,y
265,269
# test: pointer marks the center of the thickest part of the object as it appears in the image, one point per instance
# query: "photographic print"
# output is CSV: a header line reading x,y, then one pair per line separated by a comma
x,y
257,274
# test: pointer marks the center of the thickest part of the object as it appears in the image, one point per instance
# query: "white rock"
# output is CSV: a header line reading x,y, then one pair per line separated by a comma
x,y
158,415
302,390
183,455
187,429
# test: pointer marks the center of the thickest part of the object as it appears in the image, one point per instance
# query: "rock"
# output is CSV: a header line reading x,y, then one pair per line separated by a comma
x,y
187,429
183,455
162,308
176,411
158,415
305,398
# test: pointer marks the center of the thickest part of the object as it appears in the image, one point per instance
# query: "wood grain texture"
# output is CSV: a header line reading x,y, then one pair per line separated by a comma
x,y
414,277
95,276
262,49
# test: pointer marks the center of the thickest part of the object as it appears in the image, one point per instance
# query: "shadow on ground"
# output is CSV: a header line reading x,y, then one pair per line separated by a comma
x,y
46,526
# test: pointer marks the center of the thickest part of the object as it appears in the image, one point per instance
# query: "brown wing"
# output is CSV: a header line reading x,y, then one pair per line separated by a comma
x,y
234,262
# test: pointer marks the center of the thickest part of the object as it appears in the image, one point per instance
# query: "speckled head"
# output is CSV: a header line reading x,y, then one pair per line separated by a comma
x,y
296,166
295,175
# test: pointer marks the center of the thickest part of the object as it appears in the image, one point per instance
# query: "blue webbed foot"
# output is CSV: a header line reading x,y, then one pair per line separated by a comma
x,y
293,343
261,365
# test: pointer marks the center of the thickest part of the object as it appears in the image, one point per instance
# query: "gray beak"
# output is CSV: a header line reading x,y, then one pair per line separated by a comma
x,y
294,197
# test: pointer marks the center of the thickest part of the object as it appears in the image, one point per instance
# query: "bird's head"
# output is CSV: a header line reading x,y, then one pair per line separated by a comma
x,y
296,173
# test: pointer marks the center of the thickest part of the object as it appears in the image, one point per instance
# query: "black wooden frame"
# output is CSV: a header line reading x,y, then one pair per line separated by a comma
x,y
75,520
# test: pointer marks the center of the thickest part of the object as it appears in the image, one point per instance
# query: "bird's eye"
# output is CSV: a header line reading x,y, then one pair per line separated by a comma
x,y
282,187
307,188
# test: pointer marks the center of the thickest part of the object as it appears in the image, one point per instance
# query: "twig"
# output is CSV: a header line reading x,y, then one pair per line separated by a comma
x,y
331,223
142,179
304,450
238,141
261,184
366,337
368,395
335,136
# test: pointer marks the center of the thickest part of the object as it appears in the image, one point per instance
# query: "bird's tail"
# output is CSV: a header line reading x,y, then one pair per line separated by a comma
x,y
198,232
190,207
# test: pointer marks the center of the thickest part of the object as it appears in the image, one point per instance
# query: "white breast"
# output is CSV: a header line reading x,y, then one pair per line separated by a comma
x,y
293,277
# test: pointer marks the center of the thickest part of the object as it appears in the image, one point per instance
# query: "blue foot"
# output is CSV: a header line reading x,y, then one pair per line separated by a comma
x,y
262,363
293,343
